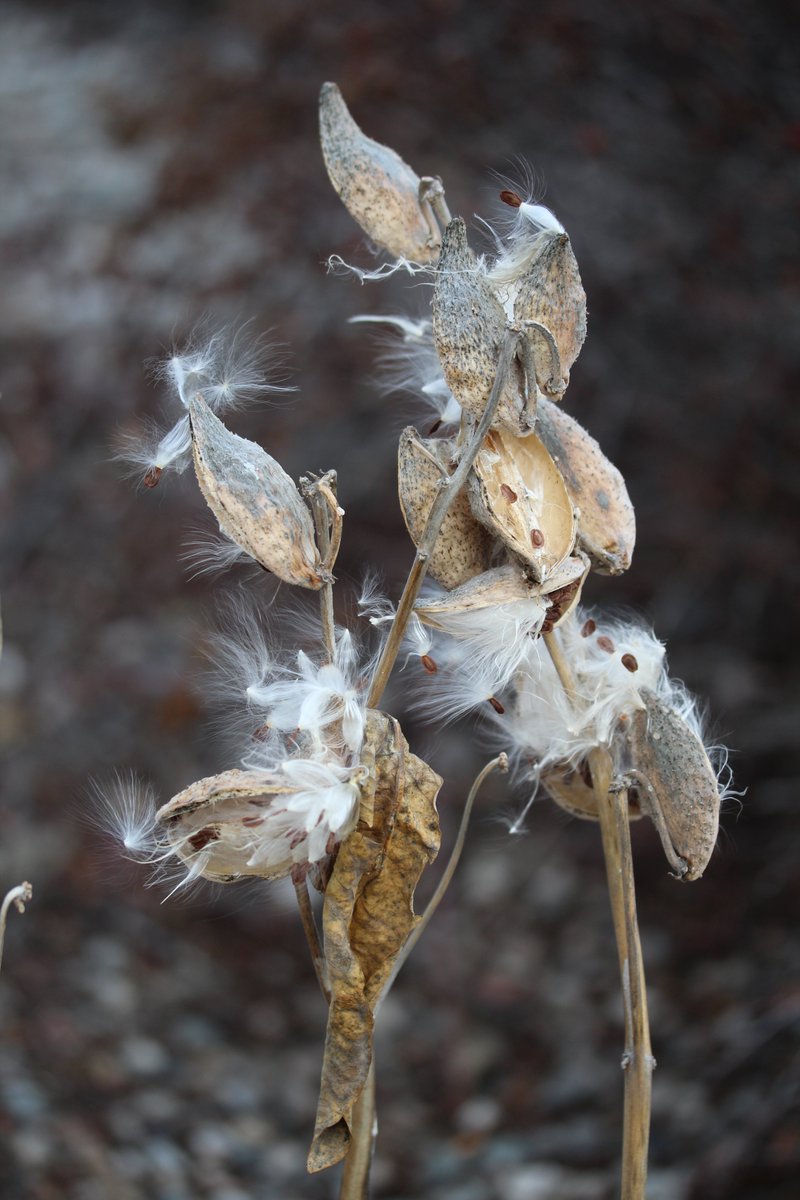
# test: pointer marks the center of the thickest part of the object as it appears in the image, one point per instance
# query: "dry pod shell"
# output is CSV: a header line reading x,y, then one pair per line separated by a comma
x,y
538,524
463,548
570,791
606,520
500,586
551,294
676,783
468,328
255,501
376,187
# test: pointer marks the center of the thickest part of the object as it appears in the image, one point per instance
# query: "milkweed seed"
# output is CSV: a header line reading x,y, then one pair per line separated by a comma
x,y
252,821
199,841
510,198
588,628
629,662
152,477
496,705
537,538
508,493
428,663
605,643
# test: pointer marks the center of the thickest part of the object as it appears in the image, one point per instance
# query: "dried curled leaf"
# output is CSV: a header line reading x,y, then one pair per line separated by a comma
x,y
367,918
376,187
468,328
606,519
551,293
209,824
255,501
676,783
463,548
517,492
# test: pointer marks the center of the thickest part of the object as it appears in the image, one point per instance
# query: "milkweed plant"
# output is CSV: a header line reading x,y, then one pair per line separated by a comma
x,y
511,506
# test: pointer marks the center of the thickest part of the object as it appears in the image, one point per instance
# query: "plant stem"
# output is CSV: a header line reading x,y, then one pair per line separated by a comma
x,y
363,1131
448,490
321,496
312,936
637,1059
18,896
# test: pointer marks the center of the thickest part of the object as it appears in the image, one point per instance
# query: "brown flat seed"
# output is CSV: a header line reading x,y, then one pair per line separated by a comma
x,y
629,661
496,705
510,198
508,493
199,841
605,643
588,628
152,477
537,538
428,663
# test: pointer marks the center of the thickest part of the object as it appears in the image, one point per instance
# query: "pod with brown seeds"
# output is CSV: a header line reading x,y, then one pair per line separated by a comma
x,y
606,519
499,586
551,293
255,502
676,784
376,187
570,791
539,524
468,328
463,548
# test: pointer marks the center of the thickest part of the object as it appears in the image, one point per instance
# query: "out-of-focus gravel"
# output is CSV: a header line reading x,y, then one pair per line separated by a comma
x,y
160,162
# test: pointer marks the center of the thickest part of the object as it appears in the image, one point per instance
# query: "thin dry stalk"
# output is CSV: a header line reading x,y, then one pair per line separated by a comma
x,y
637,1059
363,1131
18,896
321,495
312,935
448,490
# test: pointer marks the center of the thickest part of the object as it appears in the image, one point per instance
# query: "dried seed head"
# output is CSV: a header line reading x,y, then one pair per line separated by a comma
x,y
468,328
463,548
606,520
679,788
551,293
376,187
540,526
256,503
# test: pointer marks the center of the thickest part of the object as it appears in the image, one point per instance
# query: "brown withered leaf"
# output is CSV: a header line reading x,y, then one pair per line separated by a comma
x,y
468,328
606,519
376,187
551,293
367,918
255,502
676,784
464,547
517,492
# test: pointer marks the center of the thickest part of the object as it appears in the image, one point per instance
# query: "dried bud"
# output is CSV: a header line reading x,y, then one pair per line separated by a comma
x,y
551,293
606,520
540,526
676,783
468,328
463,548
376,187
256,503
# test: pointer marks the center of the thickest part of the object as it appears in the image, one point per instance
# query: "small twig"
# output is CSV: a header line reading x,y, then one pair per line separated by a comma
x,y
448,490
637,1060
312,936
19,897
321,496
363,1131
431,191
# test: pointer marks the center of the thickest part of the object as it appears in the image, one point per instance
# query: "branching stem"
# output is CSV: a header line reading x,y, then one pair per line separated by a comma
x,y
637,1060
448,490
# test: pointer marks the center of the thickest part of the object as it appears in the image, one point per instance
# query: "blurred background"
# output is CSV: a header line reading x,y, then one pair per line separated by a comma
x,y
160,163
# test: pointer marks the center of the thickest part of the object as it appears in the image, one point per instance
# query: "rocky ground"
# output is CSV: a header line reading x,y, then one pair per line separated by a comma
x,y
160,162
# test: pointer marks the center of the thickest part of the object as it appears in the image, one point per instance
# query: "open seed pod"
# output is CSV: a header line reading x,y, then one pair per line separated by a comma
x,y
255,502
517,492
570,791
463,548
606,520
551,293
676,784
376,187
468,328
501,586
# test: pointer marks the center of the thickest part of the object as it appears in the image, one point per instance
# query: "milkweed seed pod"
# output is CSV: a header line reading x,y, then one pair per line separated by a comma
x,y
255,502
676,783
468,328
517,492
464,547
377,188
551,293
605,516
260,823
570,791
